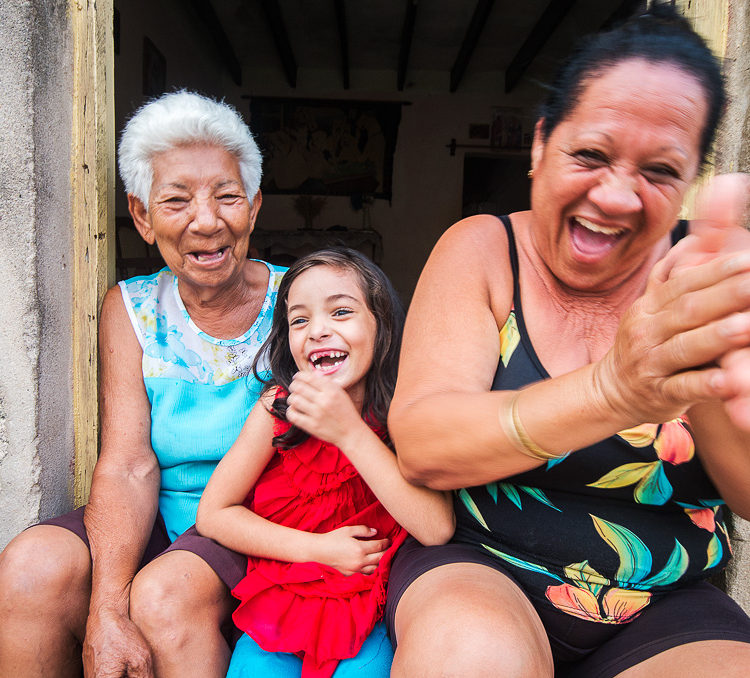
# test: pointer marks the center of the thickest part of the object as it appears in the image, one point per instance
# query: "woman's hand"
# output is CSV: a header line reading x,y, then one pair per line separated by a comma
x,y
114,647
320,407
351,549
686,339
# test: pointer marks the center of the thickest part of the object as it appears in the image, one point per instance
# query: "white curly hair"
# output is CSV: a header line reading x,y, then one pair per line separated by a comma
x,y
181,119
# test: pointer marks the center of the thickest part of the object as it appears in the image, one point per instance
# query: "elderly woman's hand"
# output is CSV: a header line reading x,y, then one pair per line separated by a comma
x,y
114,647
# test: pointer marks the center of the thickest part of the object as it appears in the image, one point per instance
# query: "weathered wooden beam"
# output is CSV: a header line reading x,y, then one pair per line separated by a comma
x,y
340,8
281,39
407,33
544,27
93,211
204,11
476,26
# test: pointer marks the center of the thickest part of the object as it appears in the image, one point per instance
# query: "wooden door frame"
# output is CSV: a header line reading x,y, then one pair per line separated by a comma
x,y
93,192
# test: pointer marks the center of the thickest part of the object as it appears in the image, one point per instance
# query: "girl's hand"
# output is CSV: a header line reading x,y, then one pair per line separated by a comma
x,y
350,550
320,407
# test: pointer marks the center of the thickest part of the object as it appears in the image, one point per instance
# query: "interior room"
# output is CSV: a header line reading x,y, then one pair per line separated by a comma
x,y
381,122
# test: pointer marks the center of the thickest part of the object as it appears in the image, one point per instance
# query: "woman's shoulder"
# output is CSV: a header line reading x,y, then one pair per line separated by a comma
x,y
474,254
486,228
265,273
144,288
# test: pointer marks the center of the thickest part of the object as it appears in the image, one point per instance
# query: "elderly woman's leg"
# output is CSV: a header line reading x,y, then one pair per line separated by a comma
x,y
465,619
45,580
179,603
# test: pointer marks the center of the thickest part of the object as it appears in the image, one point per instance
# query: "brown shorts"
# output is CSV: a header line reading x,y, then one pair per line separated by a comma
x,y
584,649
228,565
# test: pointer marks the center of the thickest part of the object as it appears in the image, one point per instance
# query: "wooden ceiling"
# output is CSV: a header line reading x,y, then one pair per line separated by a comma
x,y
407,37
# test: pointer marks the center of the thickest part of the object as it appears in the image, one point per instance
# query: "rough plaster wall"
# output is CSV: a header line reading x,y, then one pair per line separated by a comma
x,y
34,305
52,143
734,142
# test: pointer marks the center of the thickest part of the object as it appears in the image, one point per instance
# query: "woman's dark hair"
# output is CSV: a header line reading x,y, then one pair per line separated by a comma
x,y
384,304
659,36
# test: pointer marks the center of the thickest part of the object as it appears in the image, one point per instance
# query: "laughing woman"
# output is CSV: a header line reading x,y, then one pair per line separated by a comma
x,y
583,376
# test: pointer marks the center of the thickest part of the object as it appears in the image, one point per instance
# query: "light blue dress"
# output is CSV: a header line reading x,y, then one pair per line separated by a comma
x,y
201,389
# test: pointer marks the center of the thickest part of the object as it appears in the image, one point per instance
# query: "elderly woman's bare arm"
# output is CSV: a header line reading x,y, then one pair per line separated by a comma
x,y
124,496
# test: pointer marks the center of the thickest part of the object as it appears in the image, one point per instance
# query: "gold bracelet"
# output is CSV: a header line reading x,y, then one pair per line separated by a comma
x,y
516,433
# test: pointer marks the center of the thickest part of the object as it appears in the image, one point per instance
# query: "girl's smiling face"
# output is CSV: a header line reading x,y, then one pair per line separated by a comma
x,y
331,329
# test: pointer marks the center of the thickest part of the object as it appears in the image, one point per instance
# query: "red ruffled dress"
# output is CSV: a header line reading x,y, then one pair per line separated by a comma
x,y
311,609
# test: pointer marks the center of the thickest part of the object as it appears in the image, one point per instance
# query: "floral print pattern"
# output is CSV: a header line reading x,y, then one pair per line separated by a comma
x,y
658,520
179,349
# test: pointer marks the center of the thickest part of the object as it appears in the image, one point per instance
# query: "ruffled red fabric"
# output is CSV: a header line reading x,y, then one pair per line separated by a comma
x,y
311,609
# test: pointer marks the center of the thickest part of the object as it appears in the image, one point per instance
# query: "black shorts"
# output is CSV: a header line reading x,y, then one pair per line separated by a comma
x,y
229,565
585,649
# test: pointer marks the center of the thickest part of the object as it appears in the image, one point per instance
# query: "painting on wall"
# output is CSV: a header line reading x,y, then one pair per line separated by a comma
x,y
511,128
326,147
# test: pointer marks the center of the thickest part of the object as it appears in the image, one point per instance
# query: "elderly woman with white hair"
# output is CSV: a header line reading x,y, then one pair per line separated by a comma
x,y
128,578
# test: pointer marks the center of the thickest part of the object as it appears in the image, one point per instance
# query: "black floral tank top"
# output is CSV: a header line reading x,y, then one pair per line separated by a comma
x,y
602,531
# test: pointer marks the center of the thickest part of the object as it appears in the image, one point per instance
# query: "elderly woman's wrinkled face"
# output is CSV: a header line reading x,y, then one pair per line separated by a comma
x,y
610,179
198,214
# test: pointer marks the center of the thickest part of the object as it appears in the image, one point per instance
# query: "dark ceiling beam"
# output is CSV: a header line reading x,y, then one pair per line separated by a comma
x,y
210,22
343,40
544,27
281,39
407,33
476,26
626,9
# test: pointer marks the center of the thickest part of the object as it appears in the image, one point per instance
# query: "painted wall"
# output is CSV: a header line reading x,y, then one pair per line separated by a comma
x,y
36,437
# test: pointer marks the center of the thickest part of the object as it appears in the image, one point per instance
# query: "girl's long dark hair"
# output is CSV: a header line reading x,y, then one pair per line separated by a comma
x,y
384,304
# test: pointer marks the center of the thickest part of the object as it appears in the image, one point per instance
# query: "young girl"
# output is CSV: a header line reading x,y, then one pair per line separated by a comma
x,y
310,490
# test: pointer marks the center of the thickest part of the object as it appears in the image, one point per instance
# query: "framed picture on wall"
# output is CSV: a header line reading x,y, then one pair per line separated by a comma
x,y
511,128
326,147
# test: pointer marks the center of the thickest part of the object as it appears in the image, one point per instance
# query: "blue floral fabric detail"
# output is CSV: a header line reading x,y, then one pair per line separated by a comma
x,y
201,388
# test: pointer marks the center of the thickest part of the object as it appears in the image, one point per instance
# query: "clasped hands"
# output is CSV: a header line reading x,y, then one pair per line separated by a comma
x,y
686,340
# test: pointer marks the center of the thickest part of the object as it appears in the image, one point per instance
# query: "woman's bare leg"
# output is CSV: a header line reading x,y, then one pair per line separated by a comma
x,y
179,604
45,583
705,659
468,620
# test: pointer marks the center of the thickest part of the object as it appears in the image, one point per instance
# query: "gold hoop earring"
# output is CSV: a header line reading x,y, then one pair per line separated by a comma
x,y
530,174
